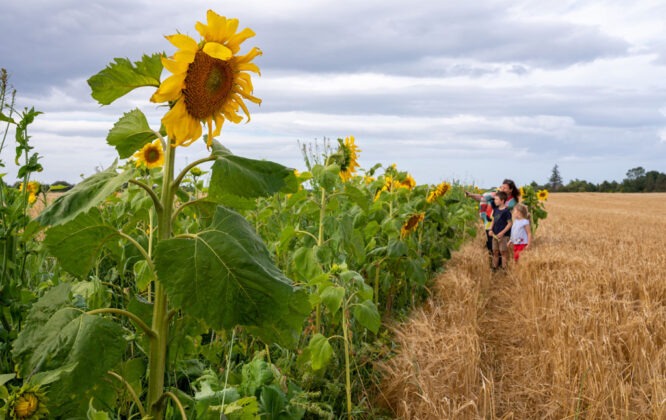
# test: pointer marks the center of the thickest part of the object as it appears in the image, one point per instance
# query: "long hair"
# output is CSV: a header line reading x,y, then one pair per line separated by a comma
x,y
515,192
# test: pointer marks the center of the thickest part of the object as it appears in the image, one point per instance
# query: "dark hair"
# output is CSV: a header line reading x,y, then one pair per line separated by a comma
x,y
502,196
515,192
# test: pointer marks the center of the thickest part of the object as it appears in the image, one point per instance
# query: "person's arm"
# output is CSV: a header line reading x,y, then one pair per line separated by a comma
x,y
529,235
477,197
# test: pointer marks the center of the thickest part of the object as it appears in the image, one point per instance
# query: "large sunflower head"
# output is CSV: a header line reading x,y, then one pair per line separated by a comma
x,y
209,80
542,195
411,224
151,155
439,191
408,182
349,161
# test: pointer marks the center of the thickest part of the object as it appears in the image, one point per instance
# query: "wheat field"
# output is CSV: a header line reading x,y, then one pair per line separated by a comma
x,y
576,330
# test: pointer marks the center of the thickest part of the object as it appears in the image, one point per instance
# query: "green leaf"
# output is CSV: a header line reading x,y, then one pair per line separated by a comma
x,y
304,265
256,374
225,276
95,414
273,401
236,181
143,275
6,377
130,133
243,409
367,315
66,345
77,243
85,195
332,297
121,77
320,351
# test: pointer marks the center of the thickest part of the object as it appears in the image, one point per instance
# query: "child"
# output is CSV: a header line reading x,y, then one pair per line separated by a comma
x,y
499,227
521,233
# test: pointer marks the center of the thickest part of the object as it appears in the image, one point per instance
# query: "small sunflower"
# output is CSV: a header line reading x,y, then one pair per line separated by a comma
x,y
439,191
151,155
542,195
390,184
522,191
349,162
33,189
411,224
209,80
28,403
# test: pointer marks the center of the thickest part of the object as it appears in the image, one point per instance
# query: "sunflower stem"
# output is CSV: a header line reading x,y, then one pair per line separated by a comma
x,y
320,242
184,172
158,345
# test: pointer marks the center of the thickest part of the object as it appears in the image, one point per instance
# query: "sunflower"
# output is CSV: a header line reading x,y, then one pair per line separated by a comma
x,y
542,195
349,162
439,191
411,224
151,155
29,402
522,191
390,184
209,80
408,182
33,189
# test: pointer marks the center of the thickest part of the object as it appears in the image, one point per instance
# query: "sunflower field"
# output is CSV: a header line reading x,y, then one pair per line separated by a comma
x,y
248,290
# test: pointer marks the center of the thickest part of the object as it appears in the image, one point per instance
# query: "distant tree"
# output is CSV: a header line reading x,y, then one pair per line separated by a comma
x,y
579,185
555,180
61,186
635,180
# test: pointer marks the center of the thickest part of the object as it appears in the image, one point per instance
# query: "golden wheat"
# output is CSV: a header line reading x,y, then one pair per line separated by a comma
x,y
577,329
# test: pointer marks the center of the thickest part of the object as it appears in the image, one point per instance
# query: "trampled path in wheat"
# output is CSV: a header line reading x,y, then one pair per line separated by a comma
x,y
576,330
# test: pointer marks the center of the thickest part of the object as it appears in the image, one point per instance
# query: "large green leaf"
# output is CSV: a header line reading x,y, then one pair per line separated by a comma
x,y
85,195
225,276
64,344
236,181
367,315
122,76
130,133
78,242
320,351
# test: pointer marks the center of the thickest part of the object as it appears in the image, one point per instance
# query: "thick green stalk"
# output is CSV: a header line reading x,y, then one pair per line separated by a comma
x,y
320,242
345,333
158,345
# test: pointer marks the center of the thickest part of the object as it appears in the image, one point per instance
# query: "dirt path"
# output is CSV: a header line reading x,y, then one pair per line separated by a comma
x,y
577,330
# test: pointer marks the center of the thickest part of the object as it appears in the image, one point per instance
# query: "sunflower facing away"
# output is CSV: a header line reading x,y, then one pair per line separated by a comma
x,y
439,191
542,195
151,155
349,162
28,403
411,224
408,182
210,81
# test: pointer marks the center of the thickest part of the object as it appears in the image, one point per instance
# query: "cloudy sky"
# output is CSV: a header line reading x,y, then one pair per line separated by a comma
x,y
470,91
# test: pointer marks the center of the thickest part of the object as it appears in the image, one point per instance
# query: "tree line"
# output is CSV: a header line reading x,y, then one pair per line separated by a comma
x,y
637,180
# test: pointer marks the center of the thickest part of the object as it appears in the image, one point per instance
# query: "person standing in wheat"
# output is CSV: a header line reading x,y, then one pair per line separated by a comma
x,y
521,232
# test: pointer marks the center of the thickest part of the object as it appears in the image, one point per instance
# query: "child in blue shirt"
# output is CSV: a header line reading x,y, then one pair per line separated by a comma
x,y
499,228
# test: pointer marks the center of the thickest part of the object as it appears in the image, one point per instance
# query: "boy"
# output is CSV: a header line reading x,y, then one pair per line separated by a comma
x,y
499,227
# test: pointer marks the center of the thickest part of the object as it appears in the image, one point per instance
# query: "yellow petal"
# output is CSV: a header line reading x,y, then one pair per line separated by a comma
x,y
237,39
170,89
174,66
216,50
183,42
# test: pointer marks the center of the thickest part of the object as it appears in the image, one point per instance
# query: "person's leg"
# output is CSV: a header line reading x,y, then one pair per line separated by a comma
x,y
496,253
504,252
